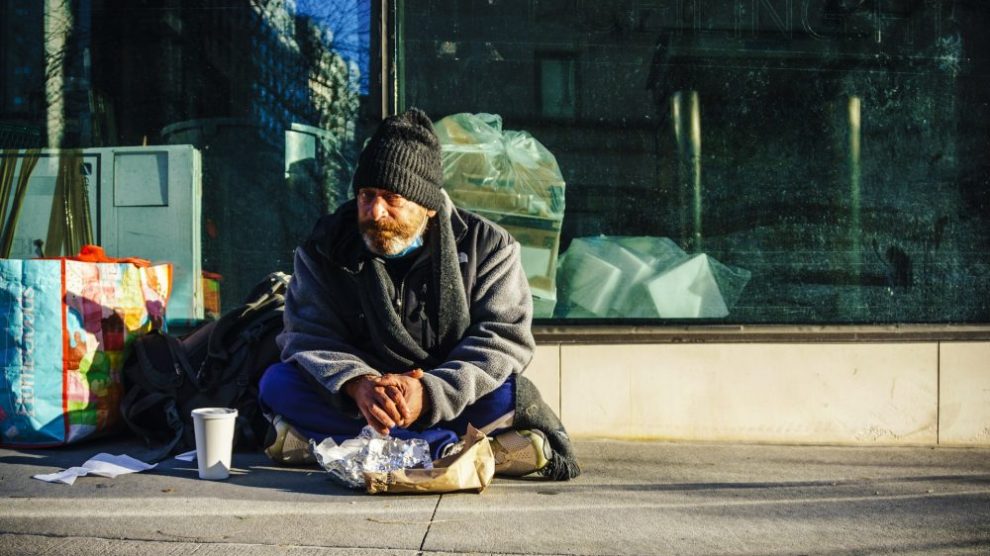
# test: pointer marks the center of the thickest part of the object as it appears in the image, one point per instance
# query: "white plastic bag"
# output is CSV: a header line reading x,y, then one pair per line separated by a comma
x,y
510,172
643,277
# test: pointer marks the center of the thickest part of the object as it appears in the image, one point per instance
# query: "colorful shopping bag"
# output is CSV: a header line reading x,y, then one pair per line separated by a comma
x,y
65,326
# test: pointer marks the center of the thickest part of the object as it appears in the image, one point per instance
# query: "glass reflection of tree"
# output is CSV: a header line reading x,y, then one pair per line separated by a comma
x,y
348,24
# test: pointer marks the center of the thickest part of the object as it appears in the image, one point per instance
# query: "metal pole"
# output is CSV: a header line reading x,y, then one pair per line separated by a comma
x,y
685,112
695,153
855,114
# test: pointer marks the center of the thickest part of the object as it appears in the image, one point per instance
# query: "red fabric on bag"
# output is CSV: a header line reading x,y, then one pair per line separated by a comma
x,y
96,254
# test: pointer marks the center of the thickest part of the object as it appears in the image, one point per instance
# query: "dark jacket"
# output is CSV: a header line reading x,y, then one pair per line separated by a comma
x,y
327,332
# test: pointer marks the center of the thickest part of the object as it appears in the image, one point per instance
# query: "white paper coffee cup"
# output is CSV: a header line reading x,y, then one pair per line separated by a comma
x,y
214,441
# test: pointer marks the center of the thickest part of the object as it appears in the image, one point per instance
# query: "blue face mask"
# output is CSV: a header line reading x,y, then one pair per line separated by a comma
x,y
416,244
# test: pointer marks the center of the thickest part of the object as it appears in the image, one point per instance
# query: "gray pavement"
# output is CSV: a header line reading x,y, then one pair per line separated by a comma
x,y
634,498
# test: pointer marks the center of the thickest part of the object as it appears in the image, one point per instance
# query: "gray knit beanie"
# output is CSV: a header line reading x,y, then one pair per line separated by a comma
x,y
403,156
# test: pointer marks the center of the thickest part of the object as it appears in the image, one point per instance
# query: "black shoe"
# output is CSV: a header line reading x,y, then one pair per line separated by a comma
x,y
533,413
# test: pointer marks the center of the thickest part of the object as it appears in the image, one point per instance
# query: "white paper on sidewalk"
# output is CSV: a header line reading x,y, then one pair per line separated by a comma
x,y
187,456
104,465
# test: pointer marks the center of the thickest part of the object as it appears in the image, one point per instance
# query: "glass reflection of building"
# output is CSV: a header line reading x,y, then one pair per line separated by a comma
x,y
231,77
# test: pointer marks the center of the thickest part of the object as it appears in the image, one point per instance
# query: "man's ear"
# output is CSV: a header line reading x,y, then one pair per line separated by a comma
x,y
431,213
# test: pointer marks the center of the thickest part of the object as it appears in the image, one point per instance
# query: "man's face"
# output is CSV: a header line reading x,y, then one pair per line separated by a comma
x,y
389,223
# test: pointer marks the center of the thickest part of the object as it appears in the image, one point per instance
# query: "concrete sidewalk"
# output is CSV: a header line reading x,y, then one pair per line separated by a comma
x,y
634,498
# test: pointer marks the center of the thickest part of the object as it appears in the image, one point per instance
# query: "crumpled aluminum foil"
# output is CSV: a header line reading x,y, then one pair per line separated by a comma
x,y
370,451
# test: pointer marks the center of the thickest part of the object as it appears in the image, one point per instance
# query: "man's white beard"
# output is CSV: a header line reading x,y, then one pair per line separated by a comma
x,y
393,245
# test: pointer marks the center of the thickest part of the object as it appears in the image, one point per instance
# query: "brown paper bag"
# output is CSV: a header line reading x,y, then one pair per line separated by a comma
x,y
470,469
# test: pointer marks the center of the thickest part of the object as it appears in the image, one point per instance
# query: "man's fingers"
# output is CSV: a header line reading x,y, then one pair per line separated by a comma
x,y
385,401
390,398
400,404
372,421
383,418
389,380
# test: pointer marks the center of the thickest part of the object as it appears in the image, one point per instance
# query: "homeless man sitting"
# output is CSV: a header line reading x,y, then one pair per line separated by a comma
x,y
411,316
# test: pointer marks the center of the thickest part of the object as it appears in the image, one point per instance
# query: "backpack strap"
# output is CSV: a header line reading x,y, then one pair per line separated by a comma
x,y
154,393
153,401
180,361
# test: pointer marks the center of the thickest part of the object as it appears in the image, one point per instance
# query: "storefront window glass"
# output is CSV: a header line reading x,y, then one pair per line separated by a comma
x,y
744,161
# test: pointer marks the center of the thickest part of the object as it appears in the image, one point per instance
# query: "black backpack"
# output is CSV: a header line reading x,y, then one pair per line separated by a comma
x,y
218,364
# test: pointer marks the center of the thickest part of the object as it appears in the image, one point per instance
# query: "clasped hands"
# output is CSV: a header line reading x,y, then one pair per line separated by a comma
x,y
389,400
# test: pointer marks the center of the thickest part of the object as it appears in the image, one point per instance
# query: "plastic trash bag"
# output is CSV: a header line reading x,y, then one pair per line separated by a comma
x,y
509,172
643,277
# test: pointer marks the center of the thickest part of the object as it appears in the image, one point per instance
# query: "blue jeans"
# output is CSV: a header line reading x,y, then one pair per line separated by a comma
x,y
285,390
